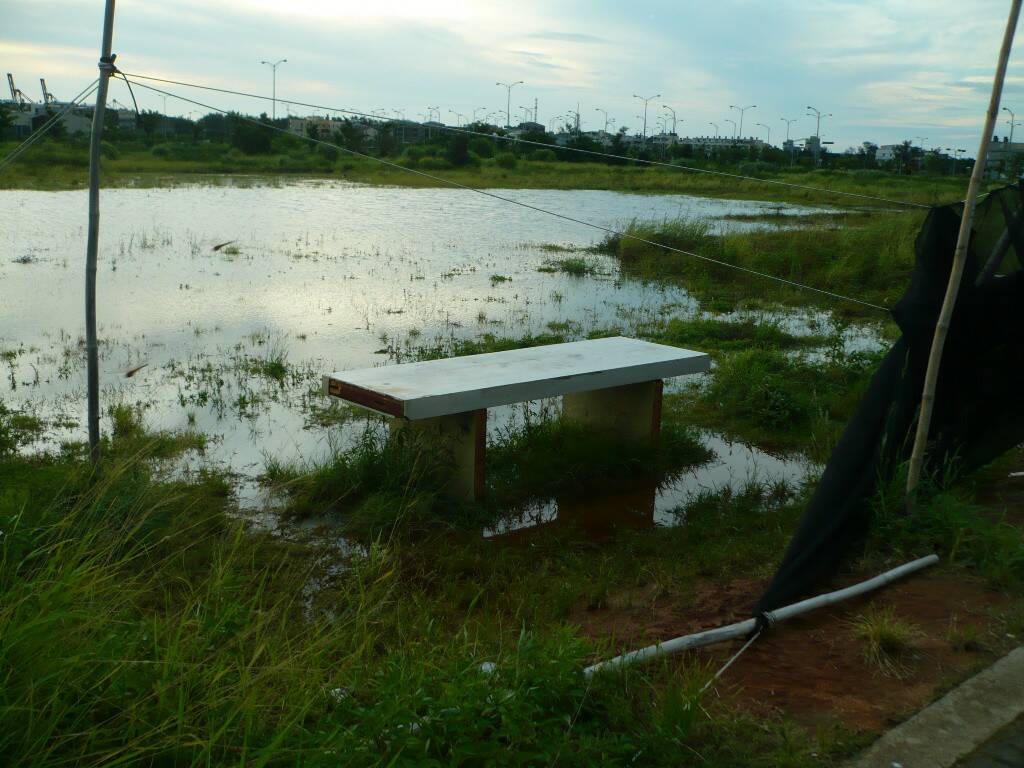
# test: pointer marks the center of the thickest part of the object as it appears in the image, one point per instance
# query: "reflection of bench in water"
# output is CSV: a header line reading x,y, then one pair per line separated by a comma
x,y
612,385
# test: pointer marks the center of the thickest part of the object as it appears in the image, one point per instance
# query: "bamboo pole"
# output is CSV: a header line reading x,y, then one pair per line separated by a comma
x,y
959,258
106,66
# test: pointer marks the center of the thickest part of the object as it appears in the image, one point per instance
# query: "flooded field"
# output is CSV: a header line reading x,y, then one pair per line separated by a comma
x,y
313,277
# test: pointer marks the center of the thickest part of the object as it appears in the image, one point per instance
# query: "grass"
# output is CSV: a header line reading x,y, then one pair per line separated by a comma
x,y
574,266
780,401
139,623
869,258
53,165
887,639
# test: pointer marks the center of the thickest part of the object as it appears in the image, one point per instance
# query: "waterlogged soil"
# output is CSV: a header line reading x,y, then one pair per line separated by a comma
x,y
220,307
813,669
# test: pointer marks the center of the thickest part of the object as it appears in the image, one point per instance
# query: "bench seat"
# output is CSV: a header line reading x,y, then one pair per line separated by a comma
x,y
613,384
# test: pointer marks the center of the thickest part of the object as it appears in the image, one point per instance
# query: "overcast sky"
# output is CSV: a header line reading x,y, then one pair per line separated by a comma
x,y
887,70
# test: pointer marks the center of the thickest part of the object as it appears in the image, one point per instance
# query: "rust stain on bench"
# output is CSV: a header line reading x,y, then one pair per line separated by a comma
x,y
365,397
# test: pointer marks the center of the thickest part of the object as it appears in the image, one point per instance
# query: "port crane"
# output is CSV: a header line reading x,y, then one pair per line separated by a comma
x,y
17,95
48,98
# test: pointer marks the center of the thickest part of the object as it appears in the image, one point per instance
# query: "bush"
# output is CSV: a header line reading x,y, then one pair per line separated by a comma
x,y
506,161
543,155
109,151
481,147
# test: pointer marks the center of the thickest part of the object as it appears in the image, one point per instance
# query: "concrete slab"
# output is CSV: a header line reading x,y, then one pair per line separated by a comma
x,y
462,384
955,725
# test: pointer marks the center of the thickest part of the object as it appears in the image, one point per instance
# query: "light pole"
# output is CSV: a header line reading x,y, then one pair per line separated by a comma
x,y
553,123
666,106
788,123
818,115
273,99
646,100
921,140
605,113
768,140
733,126
508,100
458,117
475,111
662,124
1013,120
431,111
526,112
576,117
741,110
716,128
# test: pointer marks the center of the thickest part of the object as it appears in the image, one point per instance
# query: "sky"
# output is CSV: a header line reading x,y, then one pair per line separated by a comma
x,y
886,70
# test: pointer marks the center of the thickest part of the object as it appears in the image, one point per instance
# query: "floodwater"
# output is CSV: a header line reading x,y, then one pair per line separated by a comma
x,y
323,276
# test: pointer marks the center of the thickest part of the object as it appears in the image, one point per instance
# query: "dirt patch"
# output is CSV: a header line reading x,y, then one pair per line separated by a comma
x,y
814,669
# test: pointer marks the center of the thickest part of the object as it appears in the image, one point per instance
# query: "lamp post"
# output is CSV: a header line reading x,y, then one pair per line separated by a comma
x,y
526,112
508,100
921,140
553,123
605,113
662,124
458,117
475,111
666,106
646,100
788,122
716,128
768,140
431,111
741,110
273,98
733,126
817,115
1013,119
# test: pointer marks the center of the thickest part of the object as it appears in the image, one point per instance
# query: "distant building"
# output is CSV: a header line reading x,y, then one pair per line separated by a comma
x,y
888,153
1000,153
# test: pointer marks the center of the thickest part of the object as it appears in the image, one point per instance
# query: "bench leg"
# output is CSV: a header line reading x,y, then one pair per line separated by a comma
x,y
632,412
464,437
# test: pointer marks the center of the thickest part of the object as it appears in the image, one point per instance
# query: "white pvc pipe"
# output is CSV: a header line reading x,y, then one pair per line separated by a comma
x,y
743,628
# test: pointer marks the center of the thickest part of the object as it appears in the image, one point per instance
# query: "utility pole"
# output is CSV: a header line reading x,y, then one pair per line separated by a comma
x,y
741,110
508,100
646,100
666,106
106,65
273,99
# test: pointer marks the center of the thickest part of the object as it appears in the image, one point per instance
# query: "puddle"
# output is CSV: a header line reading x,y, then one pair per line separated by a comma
x,y
321,276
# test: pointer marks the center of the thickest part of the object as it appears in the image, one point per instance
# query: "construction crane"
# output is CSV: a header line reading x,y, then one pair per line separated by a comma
x,y
17,95
48,98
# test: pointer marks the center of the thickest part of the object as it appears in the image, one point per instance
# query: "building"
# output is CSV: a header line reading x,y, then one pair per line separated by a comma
x,y
1001,153
887,153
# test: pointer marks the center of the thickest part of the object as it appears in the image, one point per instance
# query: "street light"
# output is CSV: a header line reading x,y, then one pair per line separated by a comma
x,y
475,111
716,128
554,122
788,123
733,126
431,111
605,113
767,141
921,140
458,118
817,114
273,99
508,100
526,112
741,110
666,106
646,100
1013,119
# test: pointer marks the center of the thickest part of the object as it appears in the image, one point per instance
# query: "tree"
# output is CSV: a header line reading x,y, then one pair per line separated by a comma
x,y
249,138
457,152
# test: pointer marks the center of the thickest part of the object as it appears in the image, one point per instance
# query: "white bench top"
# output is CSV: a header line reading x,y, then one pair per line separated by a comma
x,y
459,384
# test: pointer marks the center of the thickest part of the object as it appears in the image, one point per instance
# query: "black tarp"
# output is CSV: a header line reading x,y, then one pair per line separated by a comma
x,y
978,411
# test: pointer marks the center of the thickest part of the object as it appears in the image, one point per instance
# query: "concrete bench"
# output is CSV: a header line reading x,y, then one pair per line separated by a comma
x,y
613,385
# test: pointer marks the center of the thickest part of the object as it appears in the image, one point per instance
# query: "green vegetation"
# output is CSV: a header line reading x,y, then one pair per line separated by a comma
x,y
64,165
869,258
139,623
887,639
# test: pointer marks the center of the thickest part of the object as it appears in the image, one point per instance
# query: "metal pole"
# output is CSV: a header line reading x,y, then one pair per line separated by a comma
x,y
106,66
959,259
1013,119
